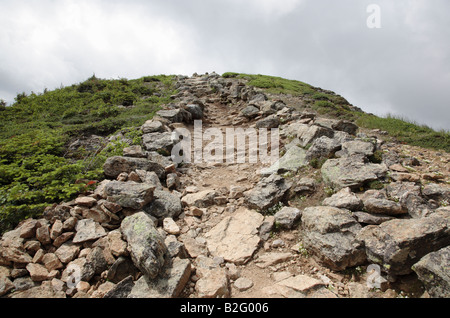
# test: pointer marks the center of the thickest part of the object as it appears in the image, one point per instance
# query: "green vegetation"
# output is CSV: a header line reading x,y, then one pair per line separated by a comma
x,y
407,132
335,106
36,169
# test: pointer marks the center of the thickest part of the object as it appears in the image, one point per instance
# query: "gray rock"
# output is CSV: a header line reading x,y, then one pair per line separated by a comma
x,y
307,134
358,147
195,110
371,219
323,147
331,235
121,289
438,192
202,199
121,269
377,202
88,230
351,172
164,205
269,122
152,126
268,192
398,244
168,285
116,165
250,112
344,199
78,270
408,194
304,186
292,160
178,115
129,194
287,217
172,181
145,244
97,259
5,285
23,283
259,97
433,271
159,142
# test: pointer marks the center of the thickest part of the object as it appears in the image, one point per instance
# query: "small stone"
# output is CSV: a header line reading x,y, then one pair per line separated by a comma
x,y
243,284
85,201
43,235
56,229
170,226
38,256
83,287
278,243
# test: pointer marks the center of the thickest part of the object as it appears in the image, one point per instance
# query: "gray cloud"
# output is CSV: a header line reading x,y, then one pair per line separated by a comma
x,y
402,68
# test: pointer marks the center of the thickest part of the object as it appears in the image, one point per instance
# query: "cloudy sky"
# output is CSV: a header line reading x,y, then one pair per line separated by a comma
x,y
402,68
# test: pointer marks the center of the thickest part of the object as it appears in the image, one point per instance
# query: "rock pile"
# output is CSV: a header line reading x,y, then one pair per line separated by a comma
x,y
155,229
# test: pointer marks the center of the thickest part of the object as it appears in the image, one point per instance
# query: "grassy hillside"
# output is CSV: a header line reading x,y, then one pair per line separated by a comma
x,y
35,170
333,105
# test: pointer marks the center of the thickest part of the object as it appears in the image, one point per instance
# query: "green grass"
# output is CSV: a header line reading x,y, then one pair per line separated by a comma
x,y
335,106
35,169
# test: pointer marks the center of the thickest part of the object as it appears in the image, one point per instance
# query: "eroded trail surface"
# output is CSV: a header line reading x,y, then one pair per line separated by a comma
x,y
343,213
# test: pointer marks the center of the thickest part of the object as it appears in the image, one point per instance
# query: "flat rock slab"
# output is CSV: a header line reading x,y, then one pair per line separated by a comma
x,y
88,230
236,237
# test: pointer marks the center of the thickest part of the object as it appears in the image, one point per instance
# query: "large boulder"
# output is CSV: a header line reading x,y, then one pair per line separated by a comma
x,y
178,115
145,243
116,165
307,134
351,172
165,204
433,271
159,142
129,194
331,235
323,147
398,244
268,192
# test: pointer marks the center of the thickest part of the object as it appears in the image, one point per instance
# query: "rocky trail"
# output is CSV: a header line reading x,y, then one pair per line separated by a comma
x,y
342,214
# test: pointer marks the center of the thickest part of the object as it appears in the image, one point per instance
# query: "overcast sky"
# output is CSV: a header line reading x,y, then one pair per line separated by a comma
x,y
402,68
